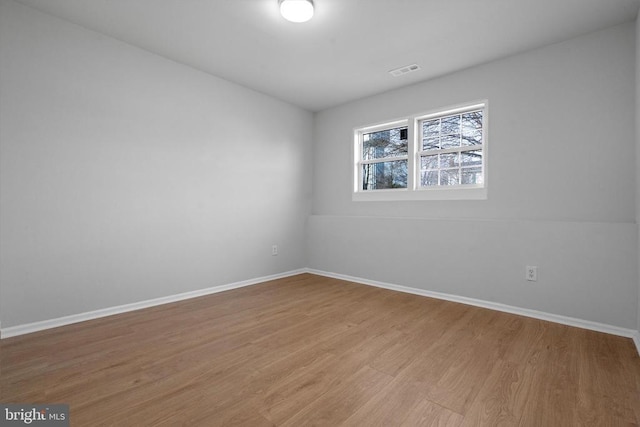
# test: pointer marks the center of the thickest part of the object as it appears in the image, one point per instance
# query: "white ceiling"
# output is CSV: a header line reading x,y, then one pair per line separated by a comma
x,y
346,50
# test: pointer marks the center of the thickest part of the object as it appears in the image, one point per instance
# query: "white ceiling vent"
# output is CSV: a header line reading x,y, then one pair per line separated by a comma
x,y
404,70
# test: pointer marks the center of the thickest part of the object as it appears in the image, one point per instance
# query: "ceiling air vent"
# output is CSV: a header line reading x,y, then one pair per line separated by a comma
x,y
404,70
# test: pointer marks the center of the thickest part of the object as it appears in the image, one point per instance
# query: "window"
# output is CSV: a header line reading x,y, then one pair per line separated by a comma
x,y
384,158
440,155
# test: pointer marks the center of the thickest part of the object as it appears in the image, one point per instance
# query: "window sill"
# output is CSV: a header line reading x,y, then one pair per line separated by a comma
x,y
459,193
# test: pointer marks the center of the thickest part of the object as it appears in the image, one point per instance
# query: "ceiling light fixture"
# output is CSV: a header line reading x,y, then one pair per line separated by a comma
x,y
296,10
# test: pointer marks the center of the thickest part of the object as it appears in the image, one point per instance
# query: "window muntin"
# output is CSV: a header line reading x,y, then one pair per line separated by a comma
x,y
440,155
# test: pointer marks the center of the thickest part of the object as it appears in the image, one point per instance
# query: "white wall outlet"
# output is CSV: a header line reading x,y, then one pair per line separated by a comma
x,y
274,250
531,273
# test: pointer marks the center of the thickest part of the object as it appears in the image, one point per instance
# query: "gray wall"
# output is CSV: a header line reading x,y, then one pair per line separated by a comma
x,y
126,177
638,156
561,186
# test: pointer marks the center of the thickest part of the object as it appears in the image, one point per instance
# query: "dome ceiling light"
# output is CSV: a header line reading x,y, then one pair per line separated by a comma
x,y
296,10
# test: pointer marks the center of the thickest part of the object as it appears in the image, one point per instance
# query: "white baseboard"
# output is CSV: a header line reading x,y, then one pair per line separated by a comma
x,y
13,331
28,328
570,321
636,339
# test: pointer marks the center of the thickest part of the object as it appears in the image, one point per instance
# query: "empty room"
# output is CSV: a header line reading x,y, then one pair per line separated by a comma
x,y
319,212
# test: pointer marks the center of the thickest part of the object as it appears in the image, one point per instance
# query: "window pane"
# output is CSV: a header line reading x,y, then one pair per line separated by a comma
x,y
450,141
385,143
472,121
449,160
472,137
472,176
471,158
431,143
429,162
429,178
382,175
451,125
449,177
431,128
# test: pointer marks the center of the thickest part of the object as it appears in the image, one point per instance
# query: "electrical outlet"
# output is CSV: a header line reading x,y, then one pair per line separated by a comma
x,y
531,273
274,250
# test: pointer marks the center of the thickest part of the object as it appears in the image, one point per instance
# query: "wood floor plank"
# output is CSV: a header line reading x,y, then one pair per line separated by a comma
x,y
337,405
290,384
502,398
463,377
429,414
281,399
604,391
309,350
554,393
390,406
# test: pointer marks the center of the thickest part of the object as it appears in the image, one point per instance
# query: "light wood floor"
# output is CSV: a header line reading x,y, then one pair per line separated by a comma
x,y
309,350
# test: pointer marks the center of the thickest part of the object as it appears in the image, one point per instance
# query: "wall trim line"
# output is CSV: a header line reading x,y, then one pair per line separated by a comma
x,y
28,328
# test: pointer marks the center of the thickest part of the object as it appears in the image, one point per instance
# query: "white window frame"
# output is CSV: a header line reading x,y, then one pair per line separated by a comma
x,y
414,190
